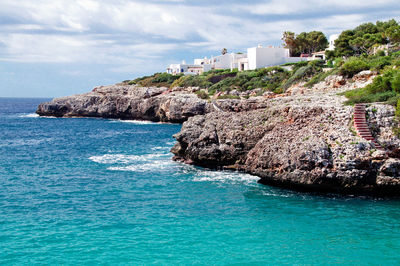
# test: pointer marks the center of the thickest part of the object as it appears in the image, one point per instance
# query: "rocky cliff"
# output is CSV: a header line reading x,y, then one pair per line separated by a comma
x,y
303,141
128,102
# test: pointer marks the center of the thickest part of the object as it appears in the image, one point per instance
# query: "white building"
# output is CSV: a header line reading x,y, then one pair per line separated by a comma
x,y
256,57
259,57
188,69
331,41
226,61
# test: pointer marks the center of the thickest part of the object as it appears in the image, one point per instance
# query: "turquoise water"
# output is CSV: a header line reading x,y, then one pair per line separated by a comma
x,y
93,191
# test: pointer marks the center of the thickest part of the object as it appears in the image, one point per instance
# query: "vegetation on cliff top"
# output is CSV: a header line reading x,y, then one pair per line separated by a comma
x,y
305,42
385,87
356,50
275,79
363,39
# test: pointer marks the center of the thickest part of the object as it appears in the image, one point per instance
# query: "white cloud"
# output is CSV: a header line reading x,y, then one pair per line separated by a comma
x,y
122,31
285,7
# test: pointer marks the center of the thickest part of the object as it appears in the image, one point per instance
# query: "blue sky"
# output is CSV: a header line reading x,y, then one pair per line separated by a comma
x,y
51,48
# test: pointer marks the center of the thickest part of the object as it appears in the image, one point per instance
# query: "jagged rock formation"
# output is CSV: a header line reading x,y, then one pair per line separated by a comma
x,y
128,102
306,142
133,102
304,139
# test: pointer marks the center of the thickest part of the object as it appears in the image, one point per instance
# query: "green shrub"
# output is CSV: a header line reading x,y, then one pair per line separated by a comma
x,y
318,78
398,108
353,66
202,94
194,81
298,65
395,81
363,96
384,88
379,62
301,74
155,80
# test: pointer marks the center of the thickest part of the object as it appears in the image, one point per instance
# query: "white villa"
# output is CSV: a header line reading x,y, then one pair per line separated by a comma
x,y
256,57
199,66
332,40
259,57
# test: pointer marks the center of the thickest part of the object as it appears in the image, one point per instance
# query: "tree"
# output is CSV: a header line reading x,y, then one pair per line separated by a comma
x,y
366,36
305,42
365,43
224,51
316,41
384,25
342,44
393,34
289,40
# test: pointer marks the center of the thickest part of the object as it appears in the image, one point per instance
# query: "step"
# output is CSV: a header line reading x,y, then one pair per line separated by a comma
x,y
368,138
367,135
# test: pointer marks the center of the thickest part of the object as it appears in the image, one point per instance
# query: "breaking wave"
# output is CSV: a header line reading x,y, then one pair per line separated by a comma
x,y
124,159
224,176
32,115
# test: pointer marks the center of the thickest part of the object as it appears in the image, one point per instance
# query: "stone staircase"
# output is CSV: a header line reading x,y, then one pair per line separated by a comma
x,y
360,123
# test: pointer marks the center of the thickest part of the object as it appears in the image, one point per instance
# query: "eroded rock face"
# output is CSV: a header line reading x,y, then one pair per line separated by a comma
x,y
303,139
303,142
128,102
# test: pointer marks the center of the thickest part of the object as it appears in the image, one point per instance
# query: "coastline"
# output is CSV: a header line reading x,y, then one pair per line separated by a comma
x,y
302,140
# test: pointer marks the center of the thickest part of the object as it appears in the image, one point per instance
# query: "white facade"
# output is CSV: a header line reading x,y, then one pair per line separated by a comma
x,y
256,57
259,57
176,69
226,61
332,40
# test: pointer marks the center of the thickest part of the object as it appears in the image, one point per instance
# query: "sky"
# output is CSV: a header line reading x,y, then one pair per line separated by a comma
x,y
53,48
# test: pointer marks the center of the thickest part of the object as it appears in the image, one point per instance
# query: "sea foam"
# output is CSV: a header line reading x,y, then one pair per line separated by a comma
x,y
124,159
32,115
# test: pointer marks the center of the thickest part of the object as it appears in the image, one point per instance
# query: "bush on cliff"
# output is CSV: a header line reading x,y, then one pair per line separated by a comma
x,y
384,88
155,80
303,73
202,94
353,66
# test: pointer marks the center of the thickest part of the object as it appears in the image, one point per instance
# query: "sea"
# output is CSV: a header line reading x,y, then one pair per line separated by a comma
x,y
85,191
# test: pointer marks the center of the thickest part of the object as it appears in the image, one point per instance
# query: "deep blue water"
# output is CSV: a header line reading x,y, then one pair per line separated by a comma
x,y
88,191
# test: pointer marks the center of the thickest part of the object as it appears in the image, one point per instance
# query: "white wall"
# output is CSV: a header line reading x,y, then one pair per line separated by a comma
x,y
175,69
332,40
222,61
267,56
207,67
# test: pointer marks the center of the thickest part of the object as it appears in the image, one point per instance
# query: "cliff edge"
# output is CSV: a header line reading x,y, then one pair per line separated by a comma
x,y
303,141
